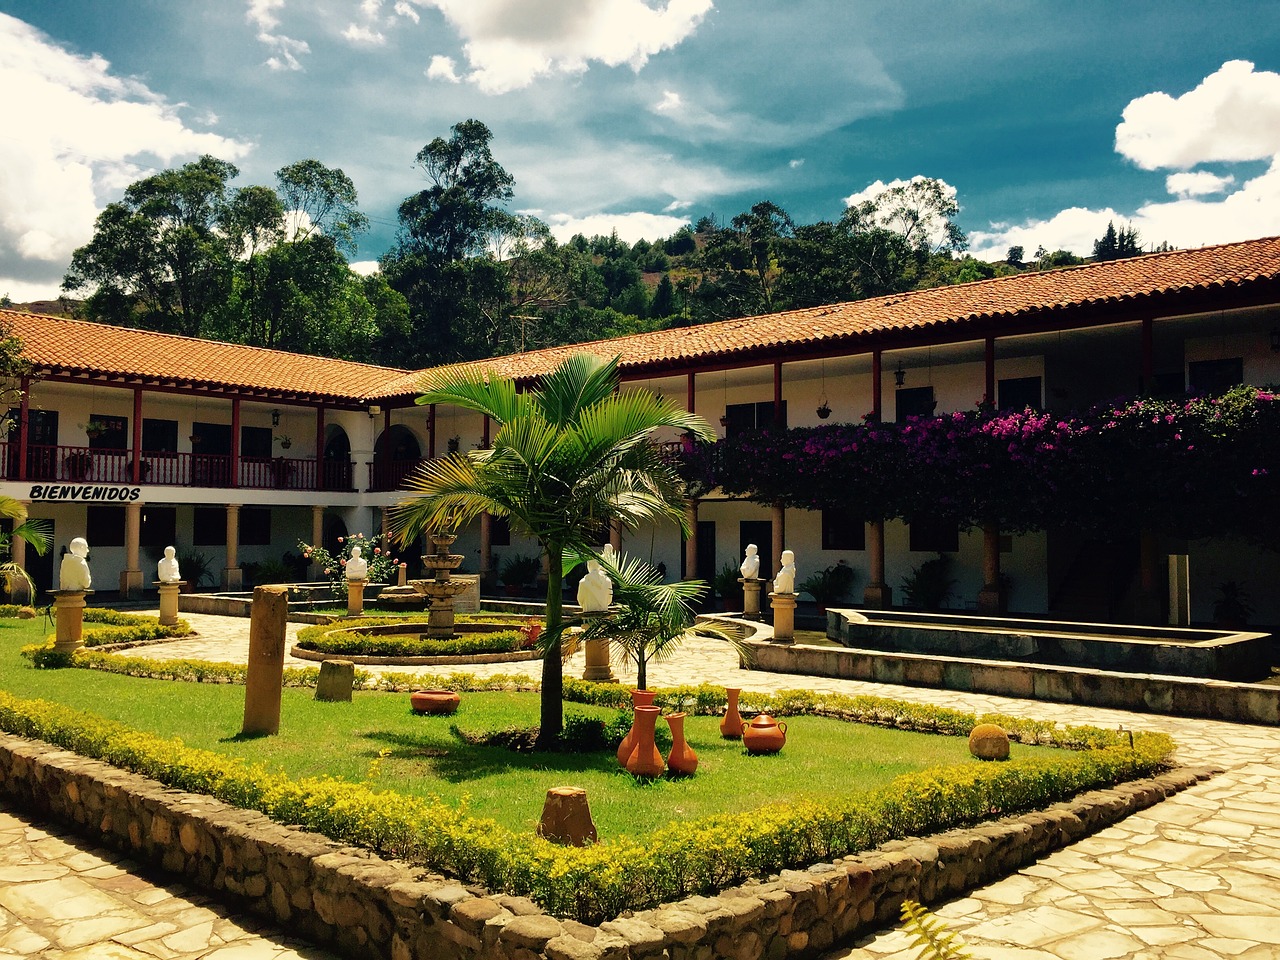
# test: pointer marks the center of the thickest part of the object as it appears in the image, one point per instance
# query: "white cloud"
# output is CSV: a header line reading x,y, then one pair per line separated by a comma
x,y
1198,184
370,8
675,205
365,268
443,68
262,14
510,43
364,35
671,102
1233,115
630,226
796,164
405,9
84,134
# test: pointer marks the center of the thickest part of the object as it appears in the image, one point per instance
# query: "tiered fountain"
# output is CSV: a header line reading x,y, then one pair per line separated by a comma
x,y
440,589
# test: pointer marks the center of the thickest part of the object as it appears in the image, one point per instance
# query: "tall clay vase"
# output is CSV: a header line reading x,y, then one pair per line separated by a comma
x,y
681,759
645,760
639,698
731,725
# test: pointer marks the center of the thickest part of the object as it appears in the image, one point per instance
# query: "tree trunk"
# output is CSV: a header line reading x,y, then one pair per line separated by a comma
x,y
642,674
551,721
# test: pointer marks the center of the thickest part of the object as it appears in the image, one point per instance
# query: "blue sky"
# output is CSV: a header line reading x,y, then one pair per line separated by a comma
x,y
1047,118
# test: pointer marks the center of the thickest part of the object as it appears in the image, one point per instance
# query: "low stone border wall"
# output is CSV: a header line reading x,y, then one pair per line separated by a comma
x,y
368,907
514,656
1179,696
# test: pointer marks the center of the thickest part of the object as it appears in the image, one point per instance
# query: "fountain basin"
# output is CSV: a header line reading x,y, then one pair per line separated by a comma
x,y
1169,651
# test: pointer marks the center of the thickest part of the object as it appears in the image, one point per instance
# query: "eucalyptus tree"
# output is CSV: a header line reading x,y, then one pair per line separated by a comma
x,y
571,456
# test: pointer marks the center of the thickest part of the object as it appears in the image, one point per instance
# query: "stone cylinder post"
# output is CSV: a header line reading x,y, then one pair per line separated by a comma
x,y
355,597
784,617
566,818
169,591
68,606
232,575
751,597
19,590
337,677
267,619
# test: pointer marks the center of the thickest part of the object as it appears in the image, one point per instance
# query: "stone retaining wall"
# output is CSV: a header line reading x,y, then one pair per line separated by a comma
x,y
1146,693
367,907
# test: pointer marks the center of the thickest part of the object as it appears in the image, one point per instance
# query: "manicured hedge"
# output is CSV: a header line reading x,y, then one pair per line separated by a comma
x,y
328,639
593,883
115,627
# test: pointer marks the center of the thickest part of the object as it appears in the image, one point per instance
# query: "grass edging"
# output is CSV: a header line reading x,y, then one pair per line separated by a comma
x,y
699,857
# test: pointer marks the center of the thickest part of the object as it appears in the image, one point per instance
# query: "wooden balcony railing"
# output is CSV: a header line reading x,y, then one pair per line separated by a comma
x,y
66,464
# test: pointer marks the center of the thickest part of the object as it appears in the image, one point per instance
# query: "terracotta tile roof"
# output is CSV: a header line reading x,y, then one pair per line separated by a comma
x,y
1072,291
73,347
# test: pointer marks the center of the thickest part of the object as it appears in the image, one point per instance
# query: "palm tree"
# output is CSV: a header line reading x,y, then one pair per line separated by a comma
x,y
570,457
34,532
648,618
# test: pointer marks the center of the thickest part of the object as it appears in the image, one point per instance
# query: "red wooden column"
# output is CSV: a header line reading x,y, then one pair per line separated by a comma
x,y
24,425
989,383
878,595
137,435
235,442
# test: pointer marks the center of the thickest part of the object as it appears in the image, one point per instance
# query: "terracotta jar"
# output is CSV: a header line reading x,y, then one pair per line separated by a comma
x,y
645,760
731,725
764,734
681,759
434,701
639,698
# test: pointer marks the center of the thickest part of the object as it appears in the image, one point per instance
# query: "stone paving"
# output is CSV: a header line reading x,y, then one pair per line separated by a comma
x,y
1194,878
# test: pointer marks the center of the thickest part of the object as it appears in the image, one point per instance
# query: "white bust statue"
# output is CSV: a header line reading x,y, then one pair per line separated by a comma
x,y
73,574
750,568
167,568
357,566
785,581
595,590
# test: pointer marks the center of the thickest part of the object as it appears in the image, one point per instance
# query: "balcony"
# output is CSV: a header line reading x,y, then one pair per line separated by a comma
x,y
67,464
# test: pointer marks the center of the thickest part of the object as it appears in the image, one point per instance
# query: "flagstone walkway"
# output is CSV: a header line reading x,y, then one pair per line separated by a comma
x,y
1196,877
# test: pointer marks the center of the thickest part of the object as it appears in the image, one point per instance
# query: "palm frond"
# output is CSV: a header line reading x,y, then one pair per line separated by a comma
x,y
931,935
577,384
37,532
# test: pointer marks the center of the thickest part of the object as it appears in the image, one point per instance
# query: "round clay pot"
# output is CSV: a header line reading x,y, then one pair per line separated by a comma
x,y
764,734
434,701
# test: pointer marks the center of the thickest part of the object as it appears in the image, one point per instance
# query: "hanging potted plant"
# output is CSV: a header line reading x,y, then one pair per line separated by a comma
x,y
96,428
285,441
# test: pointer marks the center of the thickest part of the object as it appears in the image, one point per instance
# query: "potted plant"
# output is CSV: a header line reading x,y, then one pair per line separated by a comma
x,y
518,572
929,585
285,441
96,428
195,568
727,587
1232,609
78,465
828,586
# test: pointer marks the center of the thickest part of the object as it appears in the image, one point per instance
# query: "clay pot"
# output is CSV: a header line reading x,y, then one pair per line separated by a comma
x,y
434,701
764,734
639,698
731,725
645,760
681,759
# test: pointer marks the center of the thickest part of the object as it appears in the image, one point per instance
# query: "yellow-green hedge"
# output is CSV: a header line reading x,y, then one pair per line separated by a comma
x,y
593,883
104,627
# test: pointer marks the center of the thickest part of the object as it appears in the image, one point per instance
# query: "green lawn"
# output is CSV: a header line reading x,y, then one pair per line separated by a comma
x,y
424,755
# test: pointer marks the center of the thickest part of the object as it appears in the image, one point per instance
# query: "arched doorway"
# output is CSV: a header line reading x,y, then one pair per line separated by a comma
x,y
334,527
335,465
394,455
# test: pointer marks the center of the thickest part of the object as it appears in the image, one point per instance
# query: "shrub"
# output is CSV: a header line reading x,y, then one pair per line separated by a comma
x,y
119,628
830,585
381,565
929,585
411,645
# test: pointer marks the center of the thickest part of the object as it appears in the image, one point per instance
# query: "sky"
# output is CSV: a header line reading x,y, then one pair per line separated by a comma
x,y
1047,118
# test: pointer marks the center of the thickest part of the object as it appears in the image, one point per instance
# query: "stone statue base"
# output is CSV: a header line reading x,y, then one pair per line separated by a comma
x,y
169,590
355,597
130,584
877,596
68,606
784,617
598,654
751,598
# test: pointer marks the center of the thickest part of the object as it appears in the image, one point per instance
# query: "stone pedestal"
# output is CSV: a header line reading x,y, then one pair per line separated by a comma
x,y
598,668
566,818
877,596
355,597
68,606
784,617
991,600
337,677
130,584
232,578
264,678
402,576
169,590
751,597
